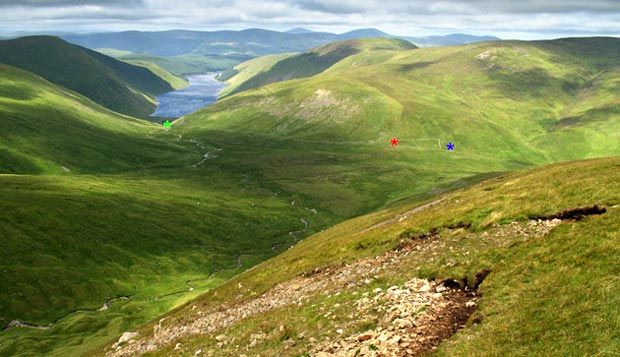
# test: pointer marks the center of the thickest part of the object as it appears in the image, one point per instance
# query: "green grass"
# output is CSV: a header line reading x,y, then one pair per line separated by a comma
x,y
129,214
47,127
551,295
175,82
242,72
114,84
270,69
97,205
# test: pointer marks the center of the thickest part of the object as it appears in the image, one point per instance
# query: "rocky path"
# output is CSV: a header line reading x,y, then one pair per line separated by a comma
x,y
417,315
405,215
296,291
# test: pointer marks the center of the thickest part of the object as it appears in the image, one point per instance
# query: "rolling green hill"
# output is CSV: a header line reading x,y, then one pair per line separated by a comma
x,y
243,72
306,64
156,217
175,81
114,84
503,104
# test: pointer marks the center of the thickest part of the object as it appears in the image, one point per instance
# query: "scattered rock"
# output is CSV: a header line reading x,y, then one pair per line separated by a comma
x,y
220,338
289,343
258,336
126,337
365,337
402,323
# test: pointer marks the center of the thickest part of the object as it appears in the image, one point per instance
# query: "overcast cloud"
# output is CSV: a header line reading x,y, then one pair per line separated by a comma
x,y
524,19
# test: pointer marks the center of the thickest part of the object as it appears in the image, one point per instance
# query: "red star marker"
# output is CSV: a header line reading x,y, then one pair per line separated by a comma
x,y
394,142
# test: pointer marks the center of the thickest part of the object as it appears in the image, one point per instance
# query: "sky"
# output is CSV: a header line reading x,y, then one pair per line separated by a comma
x,y
507,19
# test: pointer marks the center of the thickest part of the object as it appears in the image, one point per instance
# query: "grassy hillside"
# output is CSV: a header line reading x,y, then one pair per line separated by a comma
x,y
242,72
99,206
174,81
308,63
114,84
503,104
151,213
48,129
548,291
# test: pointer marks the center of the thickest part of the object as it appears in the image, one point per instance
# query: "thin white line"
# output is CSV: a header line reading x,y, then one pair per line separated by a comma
x,y
438,140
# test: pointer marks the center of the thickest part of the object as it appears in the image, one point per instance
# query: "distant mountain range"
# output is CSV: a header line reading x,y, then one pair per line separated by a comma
x,y
251,42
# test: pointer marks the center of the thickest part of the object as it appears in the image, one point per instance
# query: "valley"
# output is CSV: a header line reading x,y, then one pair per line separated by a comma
x,y
271,214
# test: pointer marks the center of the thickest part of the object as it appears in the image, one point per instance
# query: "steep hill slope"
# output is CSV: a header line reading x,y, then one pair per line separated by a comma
x,y
306,64
536,271
243,72
176,82
114,84
49,129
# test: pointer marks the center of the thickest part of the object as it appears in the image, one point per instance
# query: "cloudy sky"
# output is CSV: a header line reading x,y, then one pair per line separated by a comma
x,y
523,19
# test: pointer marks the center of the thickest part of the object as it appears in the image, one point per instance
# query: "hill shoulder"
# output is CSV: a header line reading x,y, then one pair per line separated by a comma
x,y
273,69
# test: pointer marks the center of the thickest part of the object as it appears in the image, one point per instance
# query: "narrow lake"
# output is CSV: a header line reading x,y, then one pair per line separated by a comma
x,y
201,92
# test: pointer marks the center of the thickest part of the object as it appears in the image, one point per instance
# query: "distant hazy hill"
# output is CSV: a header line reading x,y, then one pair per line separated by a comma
x,y
117,85
449,40
195,51
307,63
299,30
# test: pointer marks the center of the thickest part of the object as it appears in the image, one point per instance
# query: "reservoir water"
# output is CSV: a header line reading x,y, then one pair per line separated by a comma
x,y
201,91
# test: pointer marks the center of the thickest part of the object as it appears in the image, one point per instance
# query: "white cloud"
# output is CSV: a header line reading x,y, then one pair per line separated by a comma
x,y
517,19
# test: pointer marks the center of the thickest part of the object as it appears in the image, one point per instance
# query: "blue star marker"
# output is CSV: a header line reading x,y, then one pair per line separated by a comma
x,y
450,146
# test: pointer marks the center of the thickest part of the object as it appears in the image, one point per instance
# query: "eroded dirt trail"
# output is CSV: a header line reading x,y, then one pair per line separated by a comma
x,y
434,300
416,316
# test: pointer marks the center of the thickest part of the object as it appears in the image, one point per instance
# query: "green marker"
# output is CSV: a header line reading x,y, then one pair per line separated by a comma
x,y
166,123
